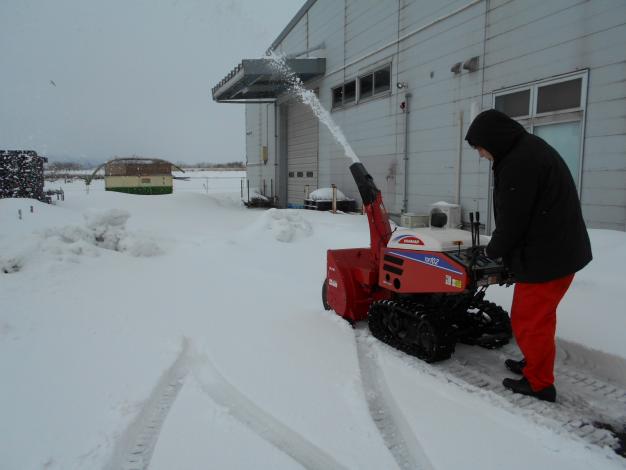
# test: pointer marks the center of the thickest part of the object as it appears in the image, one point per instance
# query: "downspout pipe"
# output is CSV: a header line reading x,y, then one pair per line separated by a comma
x,y
459,161
407,107
276,170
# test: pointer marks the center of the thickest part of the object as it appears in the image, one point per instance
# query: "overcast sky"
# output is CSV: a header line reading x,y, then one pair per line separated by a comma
x,y
92,79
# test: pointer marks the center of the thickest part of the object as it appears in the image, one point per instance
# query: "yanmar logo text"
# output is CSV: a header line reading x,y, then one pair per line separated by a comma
x,y
409,240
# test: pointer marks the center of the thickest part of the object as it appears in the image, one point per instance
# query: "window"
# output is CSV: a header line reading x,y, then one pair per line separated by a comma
x,y
382,80
565,138
344,94
559,96
553,110
378,81
338,96
300,174
372,84
366,84
514,104
349,92
291,174
544,97
309,174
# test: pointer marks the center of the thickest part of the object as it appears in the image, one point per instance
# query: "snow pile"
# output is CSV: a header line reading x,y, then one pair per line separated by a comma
x,y
255,194
326,194
108,230
443,204
609,258
10,264
287,225
103,230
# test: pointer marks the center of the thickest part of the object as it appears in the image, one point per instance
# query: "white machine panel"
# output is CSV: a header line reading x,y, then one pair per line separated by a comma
x,y
432,239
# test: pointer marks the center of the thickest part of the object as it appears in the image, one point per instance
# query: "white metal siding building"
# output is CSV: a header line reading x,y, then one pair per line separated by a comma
x,y
404,78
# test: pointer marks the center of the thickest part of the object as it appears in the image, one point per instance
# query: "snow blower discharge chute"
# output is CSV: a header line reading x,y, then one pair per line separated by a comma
x,y
421,290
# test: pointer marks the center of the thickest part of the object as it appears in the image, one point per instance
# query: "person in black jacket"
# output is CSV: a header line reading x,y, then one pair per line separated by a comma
x,y
540,235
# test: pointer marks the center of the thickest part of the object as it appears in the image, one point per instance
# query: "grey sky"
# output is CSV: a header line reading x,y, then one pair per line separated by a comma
x,y
89,80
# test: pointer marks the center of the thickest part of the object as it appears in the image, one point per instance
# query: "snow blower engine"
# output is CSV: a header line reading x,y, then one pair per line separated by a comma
x,y
421,290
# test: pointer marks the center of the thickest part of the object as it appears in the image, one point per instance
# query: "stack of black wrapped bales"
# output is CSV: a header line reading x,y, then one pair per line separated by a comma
x,y
21,174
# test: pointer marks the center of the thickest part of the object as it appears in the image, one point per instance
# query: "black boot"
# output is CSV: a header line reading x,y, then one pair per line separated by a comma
x,y
515,366
523,386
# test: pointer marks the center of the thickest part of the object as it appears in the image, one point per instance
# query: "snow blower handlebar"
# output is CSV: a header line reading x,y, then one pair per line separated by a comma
x,y
380,229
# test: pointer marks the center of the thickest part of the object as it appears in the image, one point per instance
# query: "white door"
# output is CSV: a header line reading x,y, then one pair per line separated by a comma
x,y
302,153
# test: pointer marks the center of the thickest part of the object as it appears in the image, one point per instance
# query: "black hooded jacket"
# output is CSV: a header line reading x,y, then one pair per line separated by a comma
x,y
540,232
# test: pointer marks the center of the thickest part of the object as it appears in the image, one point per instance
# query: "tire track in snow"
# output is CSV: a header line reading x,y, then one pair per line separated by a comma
x,y
577,357
592,398
389,419
259,421
135,448
575,414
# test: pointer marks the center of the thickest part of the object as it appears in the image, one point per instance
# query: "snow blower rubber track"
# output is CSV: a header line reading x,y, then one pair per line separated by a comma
x,y
430,333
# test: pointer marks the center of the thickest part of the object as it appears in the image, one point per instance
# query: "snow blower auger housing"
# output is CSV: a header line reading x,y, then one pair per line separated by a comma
x,y
421,290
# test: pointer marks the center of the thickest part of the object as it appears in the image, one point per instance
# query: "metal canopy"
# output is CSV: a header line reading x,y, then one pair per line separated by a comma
x,y
257,80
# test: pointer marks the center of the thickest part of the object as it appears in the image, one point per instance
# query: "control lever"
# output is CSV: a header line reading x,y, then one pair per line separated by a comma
x,y
475,229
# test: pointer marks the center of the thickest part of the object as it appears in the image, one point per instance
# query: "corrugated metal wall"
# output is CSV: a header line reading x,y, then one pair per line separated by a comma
x,y
442,101
517,42
371,126
534,39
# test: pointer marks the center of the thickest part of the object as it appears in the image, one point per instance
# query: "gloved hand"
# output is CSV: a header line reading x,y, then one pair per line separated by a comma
x,y
486,254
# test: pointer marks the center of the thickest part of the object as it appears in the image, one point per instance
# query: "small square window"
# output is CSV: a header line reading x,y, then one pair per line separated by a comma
x,y
559,96
382,80
514,104
309,174
349,92
366,85
291,174
338,97
300,174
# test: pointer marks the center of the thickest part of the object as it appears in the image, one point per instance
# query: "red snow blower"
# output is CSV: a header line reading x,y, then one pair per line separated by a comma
x,y
421,290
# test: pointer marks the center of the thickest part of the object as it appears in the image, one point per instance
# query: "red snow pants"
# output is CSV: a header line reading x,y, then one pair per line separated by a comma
x,y
533,319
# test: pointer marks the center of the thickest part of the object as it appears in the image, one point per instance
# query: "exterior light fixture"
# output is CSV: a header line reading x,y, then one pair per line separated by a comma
x,y
471,64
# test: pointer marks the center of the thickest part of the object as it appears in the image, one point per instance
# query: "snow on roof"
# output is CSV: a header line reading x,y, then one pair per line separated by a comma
x,y
326,194
443,204
137,161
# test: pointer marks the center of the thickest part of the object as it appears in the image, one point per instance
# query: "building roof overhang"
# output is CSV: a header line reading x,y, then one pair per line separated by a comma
x,y
258,80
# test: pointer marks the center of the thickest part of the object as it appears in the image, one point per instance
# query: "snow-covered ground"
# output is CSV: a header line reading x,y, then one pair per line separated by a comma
x,y
185,331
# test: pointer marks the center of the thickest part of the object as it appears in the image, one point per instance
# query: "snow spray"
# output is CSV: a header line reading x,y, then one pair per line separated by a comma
x,y
309,98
